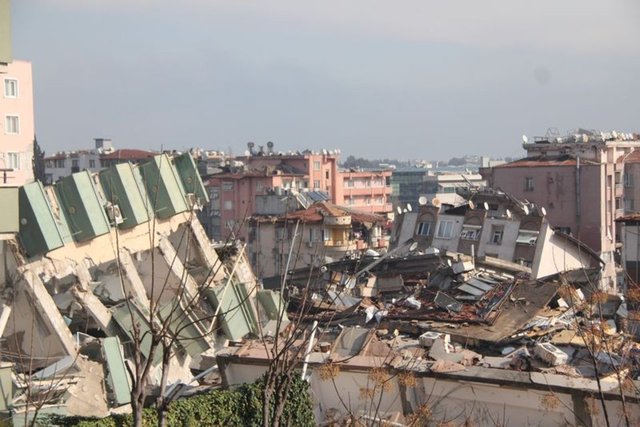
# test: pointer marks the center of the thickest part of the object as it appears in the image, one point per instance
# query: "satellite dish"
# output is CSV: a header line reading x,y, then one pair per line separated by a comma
x,y
435,202
486,206
422,200
413,246
323,269
525,139
449,262
471,205
525,208
409,208
399,209
404,210
508,214
543,211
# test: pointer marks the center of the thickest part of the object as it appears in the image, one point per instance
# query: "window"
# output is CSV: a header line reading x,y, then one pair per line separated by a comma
x,y
424,229
564,230
316,184
316,165
75,163
92,163
349,183
259,185
228,205
628,180
13,161
326,174
12,124
445,229
628,205
10,88
528,183
527,237
313,235
227,186
497,231
618,203
618,176
470,232
326,235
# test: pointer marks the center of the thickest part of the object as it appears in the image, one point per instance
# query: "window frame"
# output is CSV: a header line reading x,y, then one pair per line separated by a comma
x,y
442,224
12,118
528,183
421,228
15,87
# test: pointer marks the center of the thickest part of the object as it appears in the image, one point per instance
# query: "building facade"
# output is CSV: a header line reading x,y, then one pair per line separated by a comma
x,y
579,180
498,226
364,190
17,124
314,236
103,155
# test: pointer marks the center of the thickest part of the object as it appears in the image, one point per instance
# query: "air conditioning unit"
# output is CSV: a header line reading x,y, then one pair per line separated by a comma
x,y
114,213
550,354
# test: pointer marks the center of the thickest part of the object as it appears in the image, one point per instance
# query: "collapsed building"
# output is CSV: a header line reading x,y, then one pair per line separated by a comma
x,y
447,338
94,261
98,259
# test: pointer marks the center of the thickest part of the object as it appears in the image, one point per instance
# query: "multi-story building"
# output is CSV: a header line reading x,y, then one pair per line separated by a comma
x,y
103,155
495,225
407,184
579,179
365,190
233,192
444,186
320,233
16,111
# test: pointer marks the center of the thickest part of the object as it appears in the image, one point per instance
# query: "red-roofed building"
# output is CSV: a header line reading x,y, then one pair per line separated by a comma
x,y
324,230
580,181
65,163
125,155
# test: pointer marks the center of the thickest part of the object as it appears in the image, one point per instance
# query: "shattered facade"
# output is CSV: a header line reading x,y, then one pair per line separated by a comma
x,y
96,259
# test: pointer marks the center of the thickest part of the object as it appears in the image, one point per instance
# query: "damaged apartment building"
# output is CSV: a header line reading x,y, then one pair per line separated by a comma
x,y
89,263
492,224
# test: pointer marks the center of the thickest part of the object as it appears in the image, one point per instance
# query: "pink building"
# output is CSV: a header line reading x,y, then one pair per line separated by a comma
x,y
366,191
579,181
233,194
16,124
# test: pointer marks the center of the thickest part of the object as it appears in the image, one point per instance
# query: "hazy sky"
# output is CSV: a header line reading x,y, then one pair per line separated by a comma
x,y
398,79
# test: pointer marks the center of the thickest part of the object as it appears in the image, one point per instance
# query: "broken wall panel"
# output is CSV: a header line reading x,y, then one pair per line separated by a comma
x,y
234,310
163,188
39,230
190,178
81,206
121,189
